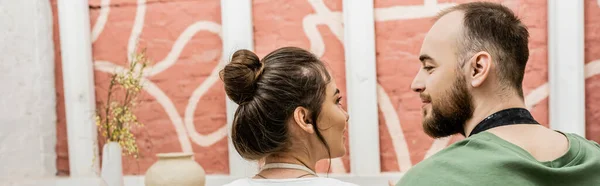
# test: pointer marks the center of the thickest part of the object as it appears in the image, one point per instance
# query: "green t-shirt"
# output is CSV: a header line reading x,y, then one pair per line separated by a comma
x,y
485,159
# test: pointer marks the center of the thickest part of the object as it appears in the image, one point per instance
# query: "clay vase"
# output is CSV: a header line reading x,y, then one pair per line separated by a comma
x,y
175,169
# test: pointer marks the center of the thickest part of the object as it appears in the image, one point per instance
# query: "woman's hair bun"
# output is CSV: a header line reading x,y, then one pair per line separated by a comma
x,y
240,76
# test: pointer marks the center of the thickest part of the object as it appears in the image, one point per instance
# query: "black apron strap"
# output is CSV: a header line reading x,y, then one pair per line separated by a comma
x,y
505,117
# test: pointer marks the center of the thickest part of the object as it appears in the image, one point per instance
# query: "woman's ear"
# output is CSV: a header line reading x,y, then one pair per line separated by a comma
x,y
302,119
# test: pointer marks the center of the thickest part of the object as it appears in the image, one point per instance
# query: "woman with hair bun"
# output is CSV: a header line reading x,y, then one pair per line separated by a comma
x,y
289,115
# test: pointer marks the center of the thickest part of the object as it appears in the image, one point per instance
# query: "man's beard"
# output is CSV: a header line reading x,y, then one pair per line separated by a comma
x,y
451,112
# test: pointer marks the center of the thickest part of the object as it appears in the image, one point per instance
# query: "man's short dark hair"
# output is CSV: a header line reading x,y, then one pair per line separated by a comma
x,y
494,28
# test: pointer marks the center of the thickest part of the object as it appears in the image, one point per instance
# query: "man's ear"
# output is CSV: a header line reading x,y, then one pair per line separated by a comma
x,y
481,65
302,119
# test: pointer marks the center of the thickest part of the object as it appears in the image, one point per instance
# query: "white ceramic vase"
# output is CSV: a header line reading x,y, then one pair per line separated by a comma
x,y
112,168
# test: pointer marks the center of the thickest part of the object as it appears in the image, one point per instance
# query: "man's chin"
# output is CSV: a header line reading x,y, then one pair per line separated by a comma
x,y
437,135
435,132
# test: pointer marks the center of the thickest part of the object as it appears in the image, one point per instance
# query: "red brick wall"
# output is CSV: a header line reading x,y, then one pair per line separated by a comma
x,y
166,105
62,153
169,33
187,33
592,61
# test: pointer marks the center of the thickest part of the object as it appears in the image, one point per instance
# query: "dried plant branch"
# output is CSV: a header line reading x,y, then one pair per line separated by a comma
x,y
118,118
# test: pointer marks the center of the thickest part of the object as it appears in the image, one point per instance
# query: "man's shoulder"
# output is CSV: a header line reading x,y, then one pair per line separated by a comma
x,y
439,168
587,143
449,166
431,171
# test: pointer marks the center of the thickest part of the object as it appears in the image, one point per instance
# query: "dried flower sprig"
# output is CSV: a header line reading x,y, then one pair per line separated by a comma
x,y
115,118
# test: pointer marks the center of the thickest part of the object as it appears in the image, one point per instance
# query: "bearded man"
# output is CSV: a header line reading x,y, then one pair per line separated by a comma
x,y
470,83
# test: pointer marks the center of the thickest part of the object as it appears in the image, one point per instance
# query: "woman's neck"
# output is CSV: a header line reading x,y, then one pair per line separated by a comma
x,y
283,173
292,158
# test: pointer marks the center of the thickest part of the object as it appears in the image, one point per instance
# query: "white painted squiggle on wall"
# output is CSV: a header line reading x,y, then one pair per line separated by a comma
x,y
138,25
323,16
160,96
540,93
185,127
101,20
592,68
429,9
182,41
392,121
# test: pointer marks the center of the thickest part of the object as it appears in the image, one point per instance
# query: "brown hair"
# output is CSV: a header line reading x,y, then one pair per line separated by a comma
x,y
268,91
494,28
